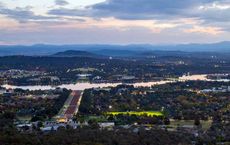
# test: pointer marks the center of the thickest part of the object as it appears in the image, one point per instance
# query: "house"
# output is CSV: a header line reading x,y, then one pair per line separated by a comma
x,y
53,126
24,127
106,124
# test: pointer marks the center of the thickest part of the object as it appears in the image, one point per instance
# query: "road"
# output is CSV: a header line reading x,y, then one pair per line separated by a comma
x,y
71,106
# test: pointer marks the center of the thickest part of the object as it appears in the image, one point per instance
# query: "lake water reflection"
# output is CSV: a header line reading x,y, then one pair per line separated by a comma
x,y
83,86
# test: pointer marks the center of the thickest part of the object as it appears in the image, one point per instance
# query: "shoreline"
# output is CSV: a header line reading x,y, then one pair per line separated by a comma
x,y
83,86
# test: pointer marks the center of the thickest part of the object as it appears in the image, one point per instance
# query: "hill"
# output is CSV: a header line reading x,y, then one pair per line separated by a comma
x,y
75,53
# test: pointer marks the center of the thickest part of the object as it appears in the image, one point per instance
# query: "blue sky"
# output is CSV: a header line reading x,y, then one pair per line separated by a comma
x,y
114,21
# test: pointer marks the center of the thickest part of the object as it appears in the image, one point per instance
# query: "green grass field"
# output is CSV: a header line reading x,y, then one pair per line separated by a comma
x,y
142,113
24,118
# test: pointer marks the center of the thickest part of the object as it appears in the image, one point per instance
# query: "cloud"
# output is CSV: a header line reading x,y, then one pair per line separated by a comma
x,y
137,9
208,10
210,13
216,11
64,34
22,14
204,30
160,9
69,12
61,2
145,8
26,14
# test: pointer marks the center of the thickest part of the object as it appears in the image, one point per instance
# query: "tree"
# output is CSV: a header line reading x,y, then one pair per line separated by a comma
x,y
166,121
197,122
39,124
93,124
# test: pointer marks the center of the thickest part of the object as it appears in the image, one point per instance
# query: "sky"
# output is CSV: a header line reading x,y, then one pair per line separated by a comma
x,y
28,22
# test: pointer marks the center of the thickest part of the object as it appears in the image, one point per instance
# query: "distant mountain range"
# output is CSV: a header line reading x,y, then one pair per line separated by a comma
x,y
112,50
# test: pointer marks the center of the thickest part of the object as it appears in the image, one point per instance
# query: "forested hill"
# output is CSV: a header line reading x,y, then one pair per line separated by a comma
x,y
75,53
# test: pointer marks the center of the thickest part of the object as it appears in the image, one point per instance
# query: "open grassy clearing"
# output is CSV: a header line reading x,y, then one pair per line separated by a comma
x,y
24,118
142,113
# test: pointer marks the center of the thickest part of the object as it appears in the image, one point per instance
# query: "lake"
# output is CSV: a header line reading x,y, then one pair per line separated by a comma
x,y
83,86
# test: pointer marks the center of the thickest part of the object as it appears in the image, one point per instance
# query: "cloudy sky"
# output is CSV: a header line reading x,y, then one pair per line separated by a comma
x,y
114,21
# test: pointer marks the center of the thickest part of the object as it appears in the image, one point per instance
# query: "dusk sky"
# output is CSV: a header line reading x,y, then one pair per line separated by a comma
x,y
29,22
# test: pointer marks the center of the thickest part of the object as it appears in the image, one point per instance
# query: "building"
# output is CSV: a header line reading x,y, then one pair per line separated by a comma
x,y
106,124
